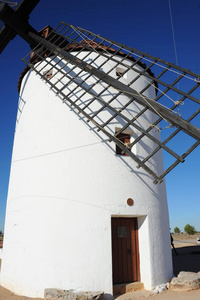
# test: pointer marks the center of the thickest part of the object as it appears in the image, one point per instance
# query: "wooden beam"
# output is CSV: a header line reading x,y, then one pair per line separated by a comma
x,y
9,31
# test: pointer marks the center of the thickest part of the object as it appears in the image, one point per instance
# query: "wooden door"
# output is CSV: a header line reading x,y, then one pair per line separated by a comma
x,y
125,253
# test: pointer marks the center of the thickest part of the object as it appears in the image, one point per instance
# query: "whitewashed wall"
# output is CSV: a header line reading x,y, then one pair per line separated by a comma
x,y
66,183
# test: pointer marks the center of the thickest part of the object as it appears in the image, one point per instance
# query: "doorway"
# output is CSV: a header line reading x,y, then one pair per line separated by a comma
x,y
125,250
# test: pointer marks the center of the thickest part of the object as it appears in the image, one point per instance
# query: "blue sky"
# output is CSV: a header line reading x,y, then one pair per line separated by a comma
x,y
144,25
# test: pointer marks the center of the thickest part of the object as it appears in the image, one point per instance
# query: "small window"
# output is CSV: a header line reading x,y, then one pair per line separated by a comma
x,y
125,138
122,233
120,72
48,74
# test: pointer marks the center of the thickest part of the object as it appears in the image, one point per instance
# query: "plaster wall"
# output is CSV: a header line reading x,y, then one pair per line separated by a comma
x,y
66,183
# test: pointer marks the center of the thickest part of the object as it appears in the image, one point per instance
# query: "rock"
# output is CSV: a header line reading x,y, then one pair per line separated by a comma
x,y
57,294
90,296
160,288
186,281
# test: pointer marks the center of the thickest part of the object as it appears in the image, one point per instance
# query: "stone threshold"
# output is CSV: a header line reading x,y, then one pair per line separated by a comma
x,y
119,289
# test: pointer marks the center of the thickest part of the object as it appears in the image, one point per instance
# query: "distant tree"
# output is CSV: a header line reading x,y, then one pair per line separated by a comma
x,y
189,229
177,230
1,232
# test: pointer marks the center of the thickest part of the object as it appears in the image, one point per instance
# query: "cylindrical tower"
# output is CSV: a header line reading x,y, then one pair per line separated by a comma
x,y
76,205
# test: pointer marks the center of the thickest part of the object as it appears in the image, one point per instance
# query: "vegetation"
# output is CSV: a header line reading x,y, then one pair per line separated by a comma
x,y
189,229
177,230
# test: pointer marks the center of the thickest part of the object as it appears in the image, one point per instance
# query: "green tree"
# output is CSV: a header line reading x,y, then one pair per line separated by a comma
x,y
189,229
177,230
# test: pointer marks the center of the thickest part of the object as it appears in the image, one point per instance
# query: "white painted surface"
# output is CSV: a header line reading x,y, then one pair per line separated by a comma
x,y
66,183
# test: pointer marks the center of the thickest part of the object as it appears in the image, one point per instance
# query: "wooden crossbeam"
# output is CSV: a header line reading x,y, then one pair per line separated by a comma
x,y
18,16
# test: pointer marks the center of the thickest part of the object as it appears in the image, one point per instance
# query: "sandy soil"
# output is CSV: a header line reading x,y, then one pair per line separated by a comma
x,y
7,295
170,295
167,295
188,259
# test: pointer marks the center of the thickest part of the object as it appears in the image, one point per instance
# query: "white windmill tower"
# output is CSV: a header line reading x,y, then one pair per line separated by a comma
x,y
86,148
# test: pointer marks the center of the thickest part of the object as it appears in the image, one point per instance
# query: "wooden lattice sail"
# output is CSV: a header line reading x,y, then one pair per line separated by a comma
x,y
173,84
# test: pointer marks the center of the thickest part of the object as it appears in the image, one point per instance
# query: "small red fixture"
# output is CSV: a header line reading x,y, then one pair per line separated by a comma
x,y
130,202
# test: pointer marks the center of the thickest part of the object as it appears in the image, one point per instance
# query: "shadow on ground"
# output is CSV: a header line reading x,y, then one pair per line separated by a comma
x,y
188,259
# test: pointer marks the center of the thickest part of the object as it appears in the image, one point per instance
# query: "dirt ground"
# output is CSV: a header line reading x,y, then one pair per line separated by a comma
x,y
188,259
167,295
170,295
7,295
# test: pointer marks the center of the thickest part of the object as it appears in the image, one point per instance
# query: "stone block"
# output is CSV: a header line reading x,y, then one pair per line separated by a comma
x,y
57,294
185,281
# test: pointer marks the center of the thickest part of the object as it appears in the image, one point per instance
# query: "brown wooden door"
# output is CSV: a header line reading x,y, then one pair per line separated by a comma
x,y
125,253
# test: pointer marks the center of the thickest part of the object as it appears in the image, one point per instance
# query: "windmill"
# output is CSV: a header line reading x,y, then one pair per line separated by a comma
x,y
93,121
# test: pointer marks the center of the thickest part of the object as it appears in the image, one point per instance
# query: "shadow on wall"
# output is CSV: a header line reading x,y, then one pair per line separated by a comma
x,y
188,259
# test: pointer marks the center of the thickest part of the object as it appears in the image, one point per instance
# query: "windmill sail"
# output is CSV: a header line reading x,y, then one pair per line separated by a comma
x,y
173,84
174,87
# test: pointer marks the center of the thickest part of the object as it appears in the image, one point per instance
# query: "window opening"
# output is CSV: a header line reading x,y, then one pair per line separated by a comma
x,y
48,74
122,233
120,72
125,138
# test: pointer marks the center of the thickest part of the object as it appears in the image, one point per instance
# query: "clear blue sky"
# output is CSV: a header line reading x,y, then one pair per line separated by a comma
x,y
141,24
